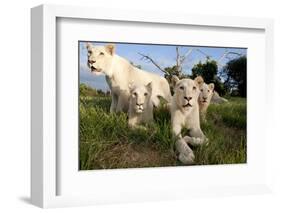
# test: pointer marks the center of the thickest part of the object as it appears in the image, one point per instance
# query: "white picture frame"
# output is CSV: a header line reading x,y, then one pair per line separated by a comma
x,y
44,155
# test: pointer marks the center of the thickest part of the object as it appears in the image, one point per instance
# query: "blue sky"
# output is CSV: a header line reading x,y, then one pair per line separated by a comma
x,y
164,55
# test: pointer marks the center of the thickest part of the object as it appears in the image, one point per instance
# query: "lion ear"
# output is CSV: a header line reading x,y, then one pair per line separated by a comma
x,y
110,48
149,87
131,86
212,86
88,45
199,81
174,80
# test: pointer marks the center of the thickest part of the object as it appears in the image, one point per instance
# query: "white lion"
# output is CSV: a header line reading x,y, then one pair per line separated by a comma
x,y
140,105
216,99
119,73
205,96
185,113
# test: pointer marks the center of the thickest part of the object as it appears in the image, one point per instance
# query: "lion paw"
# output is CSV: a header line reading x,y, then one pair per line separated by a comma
x,y
187,158
186,155
196,141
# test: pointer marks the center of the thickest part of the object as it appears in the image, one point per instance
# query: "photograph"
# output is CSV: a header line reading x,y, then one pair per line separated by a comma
x,y
147,105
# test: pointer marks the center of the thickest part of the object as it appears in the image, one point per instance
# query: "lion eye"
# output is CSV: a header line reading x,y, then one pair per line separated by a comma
x,y
181,87
201,90
134,94
101,53
89,52
208,90
194,88
145,94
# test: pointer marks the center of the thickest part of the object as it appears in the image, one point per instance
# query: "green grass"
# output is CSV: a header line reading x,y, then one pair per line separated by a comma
x,y
106,141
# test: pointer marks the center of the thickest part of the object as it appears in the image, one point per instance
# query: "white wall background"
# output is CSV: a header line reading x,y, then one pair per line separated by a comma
x,y
15,104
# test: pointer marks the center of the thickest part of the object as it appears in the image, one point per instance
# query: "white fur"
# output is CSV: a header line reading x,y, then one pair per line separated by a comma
x,y
205,96
216,99
140,105
119,73
185,113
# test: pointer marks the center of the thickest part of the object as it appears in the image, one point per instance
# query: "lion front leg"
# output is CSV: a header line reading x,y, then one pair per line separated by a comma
x,y
122,103
186,155
203,116
155,101
114,102
132,122
196,137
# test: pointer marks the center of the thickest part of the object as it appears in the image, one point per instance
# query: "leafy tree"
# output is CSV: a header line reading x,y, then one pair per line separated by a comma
x,y
101,93
85,90
235,72
107,93
209,71
170,71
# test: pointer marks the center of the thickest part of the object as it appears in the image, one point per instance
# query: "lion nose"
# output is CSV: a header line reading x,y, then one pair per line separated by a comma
x,y
91,61
187,98
204,98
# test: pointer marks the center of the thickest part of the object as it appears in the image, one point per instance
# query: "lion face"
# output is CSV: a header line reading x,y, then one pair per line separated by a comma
x,y
186,93
100,58
140,97
206,93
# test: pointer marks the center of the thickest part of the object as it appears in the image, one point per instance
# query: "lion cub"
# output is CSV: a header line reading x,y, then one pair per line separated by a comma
x,y
205,96
185,113
140,104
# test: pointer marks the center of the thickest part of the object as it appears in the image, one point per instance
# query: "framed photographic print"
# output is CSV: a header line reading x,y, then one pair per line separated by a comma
x,y
130,106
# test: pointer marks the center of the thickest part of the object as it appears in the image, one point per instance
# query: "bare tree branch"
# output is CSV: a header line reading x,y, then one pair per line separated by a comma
x,y
234,53
207,56
148,58
186,55
178,58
